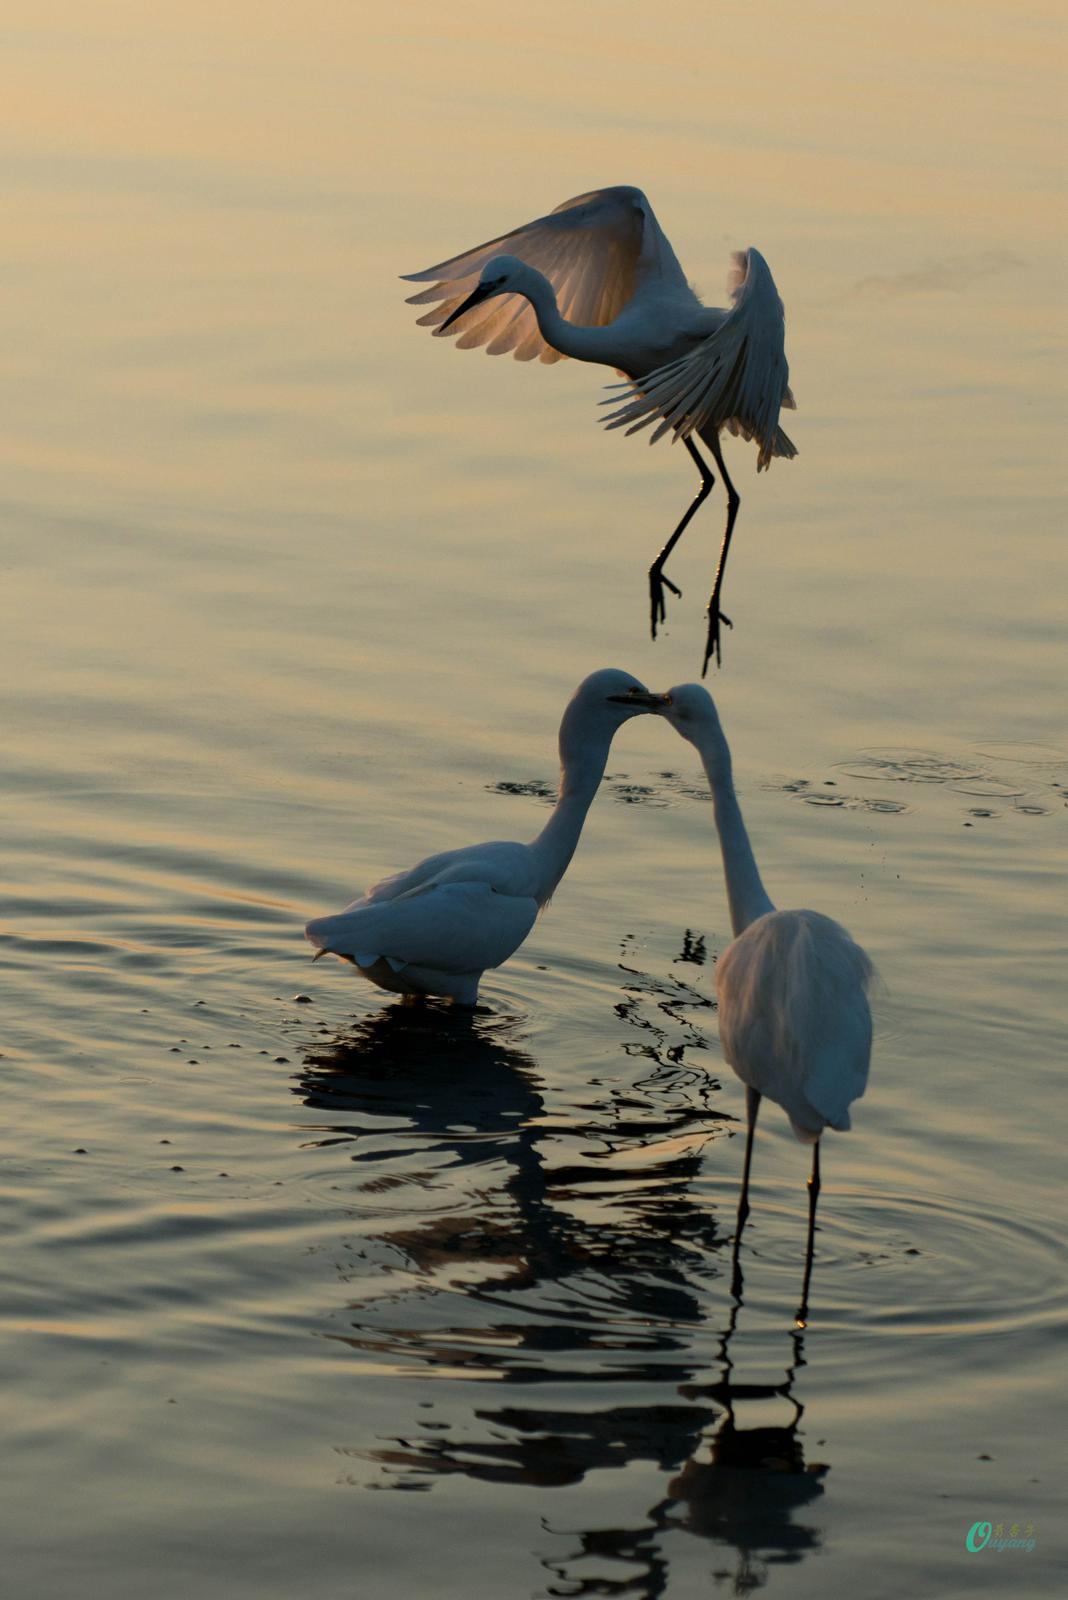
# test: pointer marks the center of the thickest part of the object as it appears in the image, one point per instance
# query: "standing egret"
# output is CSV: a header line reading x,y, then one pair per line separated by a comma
x,y
436,928
597,279
794,1018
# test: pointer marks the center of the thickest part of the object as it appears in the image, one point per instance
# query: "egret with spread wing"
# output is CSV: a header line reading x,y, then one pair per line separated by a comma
x,y
436,928
596,279
794,1018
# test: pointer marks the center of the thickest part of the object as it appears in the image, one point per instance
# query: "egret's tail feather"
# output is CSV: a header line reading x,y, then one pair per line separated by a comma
x,y
737,377
782,444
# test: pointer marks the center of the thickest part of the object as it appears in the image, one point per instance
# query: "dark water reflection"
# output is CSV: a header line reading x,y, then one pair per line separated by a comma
x,y
739,1486
563,1253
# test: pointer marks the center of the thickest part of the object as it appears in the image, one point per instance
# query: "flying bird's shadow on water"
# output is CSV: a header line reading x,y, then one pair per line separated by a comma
x,y
556,1248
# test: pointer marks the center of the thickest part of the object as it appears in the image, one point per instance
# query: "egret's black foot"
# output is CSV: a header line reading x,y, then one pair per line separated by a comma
x,y
657,603
714,644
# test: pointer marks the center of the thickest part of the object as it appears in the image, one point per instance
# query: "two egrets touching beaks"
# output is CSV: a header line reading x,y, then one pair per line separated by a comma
x,y
687,706
642,697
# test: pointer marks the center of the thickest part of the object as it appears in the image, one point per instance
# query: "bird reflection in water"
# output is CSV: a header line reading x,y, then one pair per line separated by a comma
x,y
564,1253
568,1231
745,1494
756,1478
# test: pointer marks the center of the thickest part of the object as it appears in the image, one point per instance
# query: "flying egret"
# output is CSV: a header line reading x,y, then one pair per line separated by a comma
x,y
597,279
436,928
794,1018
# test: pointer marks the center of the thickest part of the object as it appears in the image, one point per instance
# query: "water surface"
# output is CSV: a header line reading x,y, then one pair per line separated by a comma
x,y
345,1296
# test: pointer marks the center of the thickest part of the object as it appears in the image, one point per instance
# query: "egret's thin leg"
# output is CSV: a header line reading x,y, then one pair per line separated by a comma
x,y
810,1249
752,1107
715,615
656,571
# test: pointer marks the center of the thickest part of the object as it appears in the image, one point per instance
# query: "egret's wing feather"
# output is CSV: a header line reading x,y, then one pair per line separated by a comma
x,y
838,1074
591,249
501,864
736,378
794,1018
452,927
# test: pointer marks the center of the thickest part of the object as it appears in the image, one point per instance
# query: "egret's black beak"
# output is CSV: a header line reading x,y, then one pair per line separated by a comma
x,y
475,298
643,699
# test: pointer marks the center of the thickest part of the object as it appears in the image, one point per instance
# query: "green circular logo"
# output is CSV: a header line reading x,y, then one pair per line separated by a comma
x,y
978,1535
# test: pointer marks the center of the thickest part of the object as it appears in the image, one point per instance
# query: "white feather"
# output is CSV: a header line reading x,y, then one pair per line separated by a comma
x,y
437,927
736,378
597,280
792,988
593,250
794,1018
452,927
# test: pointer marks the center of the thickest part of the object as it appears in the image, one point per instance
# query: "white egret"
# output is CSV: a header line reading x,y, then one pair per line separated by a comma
x,y
436,928
794,1018
597,279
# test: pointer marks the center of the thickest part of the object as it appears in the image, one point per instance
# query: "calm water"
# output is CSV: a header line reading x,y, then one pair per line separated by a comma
x,y
346,1298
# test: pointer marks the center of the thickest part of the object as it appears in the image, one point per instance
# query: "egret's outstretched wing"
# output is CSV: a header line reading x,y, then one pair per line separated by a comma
x,y
592,250
447,927
736,378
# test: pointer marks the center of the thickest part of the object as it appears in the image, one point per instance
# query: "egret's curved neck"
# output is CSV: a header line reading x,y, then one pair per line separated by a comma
x,y
584,344
746,894
583,757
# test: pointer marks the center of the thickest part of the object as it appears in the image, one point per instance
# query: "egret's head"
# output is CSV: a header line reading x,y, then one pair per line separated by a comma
x,y
599,706
502,275
614,695
692,713
690,709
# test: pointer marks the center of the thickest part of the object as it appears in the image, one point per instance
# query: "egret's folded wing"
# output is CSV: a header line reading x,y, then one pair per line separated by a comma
x,y
838,1073
736,378
450,927
502,864
589,248
837,1067
399,883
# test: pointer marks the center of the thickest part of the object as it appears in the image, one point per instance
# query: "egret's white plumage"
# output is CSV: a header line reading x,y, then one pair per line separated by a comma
x,y
437,927
734,379
597,279
794,1018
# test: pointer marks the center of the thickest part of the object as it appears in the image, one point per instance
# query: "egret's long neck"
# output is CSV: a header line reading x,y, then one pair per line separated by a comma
x,y
746,894
583,769
584,344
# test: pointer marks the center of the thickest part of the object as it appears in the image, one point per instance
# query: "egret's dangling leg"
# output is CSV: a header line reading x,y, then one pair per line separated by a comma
x,y
752,1107
715,615
656,571
810,1249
